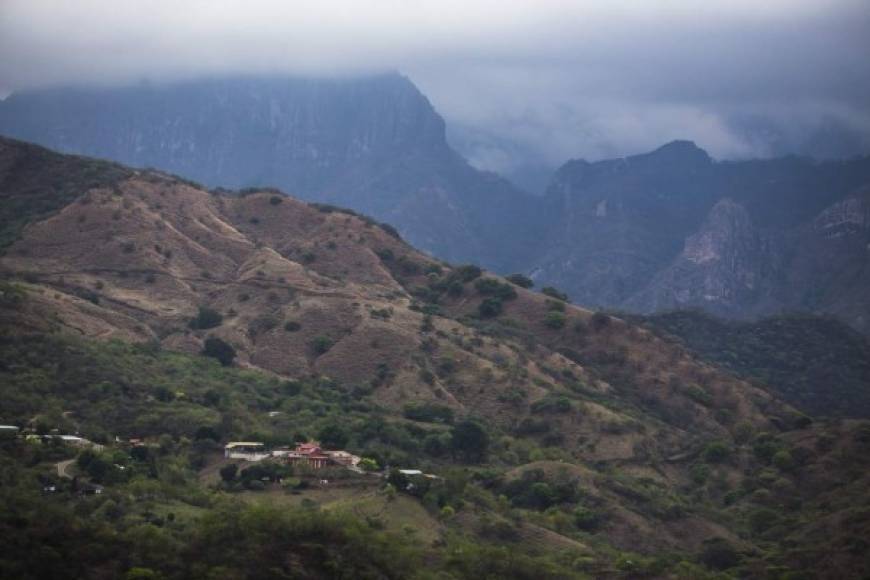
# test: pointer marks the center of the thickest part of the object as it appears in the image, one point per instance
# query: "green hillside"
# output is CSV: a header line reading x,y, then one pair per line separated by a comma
x,y
817,364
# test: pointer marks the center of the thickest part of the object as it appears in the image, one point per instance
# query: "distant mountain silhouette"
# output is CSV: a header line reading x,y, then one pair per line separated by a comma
x,y
668,229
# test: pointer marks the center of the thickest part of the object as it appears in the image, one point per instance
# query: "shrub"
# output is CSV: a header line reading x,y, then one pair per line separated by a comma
x,y
386,255
292,326
470,441
490,307
206,318
719,554
390,230
762,520
229,472
699,473
552,404
468,272
368,464
699,395
587,519
520,280
492,287
333,435
783,460
716,452
321,344
554,293
428,412
555,320
218,349
276,200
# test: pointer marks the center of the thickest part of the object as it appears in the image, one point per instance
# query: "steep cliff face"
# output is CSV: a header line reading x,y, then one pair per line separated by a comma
x,y
619,222
727,264
373,144
674,229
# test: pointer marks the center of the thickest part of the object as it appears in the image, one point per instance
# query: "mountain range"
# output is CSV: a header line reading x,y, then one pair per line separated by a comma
x,y
607,444
669,229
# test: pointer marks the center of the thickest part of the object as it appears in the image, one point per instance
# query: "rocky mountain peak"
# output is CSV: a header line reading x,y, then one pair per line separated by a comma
x,y
679,156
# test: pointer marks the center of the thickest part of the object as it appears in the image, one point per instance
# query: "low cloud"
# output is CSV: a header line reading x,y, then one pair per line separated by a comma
x,y
559,78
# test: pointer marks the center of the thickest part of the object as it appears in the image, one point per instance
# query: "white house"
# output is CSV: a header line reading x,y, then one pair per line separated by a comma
x,y
247,450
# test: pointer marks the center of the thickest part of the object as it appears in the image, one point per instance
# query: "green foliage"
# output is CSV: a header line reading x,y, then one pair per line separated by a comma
x,y
552,404
321,344
228,472
206,318
428,412
555,320
554,293
533,490
468,272
368,464
820,365
496,288
520,280
716,452
490,307
469,441
719,554
588,519
783,460
292,326
219,349
333,435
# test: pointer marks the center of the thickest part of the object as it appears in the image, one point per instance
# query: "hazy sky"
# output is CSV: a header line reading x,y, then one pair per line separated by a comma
x,y
558,79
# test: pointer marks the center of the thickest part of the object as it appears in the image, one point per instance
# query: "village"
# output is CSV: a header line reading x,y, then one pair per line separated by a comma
x,y
305,459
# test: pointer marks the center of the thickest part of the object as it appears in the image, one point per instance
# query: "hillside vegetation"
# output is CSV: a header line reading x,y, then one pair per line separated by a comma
x,y
819,365
564,443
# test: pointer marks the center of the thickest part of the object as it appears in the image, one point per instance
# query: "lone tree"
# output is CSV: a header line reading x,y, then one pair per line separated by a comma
x,y
219,349
470,441
206,318
229,472
490,307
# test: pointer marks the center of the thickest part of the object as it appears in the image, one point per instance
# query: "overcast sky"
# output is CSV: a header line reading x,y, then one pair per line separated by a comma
x,y
557,79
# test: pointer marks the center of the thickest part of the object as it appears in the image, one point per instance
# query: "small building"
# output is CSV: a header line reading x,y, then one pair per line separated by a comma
x,y
247,450
309,454
9,431
90,489
343,458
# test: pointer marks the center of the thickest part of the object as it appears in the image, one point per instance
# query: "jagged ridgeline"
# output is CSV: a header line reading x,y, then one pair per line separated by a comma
x,y
563,443
668,229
